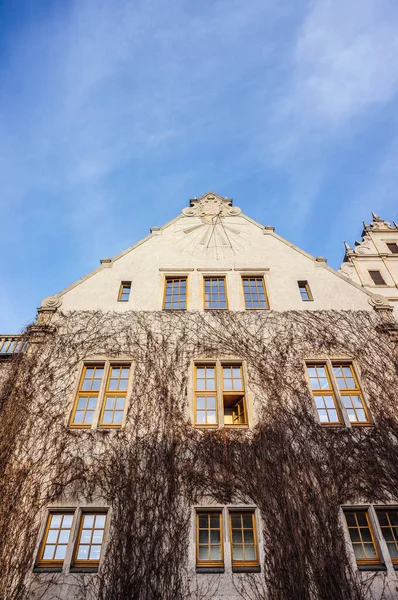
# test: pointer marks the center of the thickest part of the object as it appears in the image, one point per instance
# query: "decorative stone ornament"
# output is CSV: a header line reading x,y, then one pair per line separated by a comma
x,y
52,302
210,206
378,300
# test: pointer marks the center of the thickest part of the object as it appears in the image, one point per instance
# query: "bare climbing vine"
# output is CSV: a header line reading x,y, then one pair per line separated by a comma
x,y
158,466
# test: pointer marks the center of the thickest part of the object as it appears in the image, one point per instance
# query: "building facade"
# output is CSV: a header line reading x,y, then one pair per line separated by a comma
x,y
210,414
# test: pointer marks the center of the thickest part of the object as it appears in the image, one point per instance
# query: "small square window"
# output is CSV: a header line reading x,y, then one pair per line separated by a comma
x,y
124,291
377,278
305,291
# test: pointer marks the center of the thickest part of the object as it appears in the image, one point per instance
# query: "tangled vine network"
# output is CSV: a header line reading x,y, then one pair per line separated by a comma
x,y
153,470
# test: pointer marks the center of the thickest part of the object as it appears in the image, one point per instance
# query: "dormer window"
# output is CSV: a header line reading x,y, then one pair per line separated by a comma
x,y
377,278
393,247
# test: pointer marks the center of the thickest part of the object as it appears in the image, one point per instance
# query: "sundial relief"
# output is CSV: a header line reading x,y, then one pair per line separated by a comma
x,y
212,226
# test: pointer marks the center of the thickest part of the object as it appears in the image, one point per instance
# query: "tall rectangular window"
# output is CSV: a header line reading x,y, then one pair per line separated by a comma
x,y
362,537
215,293
219,395
377,278
124,291
243,538
175,295
209,539
393,247
55,540
305,291
205,395
336,390
388,521
323,393
254,292
115,396
90,539
87,395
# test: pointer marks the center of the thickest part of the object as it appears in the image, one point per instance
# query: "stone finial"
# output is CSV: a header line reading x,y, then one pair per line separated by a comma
x,y
347,247
376,218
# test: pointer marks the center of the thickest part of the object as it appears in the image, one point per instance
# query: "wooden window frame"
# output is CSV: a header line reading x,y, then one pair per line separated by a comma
x,y
337,393
123,285
101,393
370,271
364,561
242,511
258,277
173,278
387,509
54,563
76,563
304,284
210,511
220,393
212,277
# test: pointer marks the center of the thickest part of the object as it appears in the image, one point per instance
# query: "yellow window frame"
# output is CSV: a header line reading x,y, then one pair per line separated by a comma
x,y
114,393
124,285
54,563
86,393
172,279
205,393
322,392
244,563
212,278
210,563
264,287
390,527
227,394
352,392
88,563
363,561
304,284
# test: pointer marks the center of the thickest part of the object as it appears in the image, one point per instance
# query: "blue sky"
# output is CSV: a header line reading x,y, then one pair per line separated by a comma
x,y
114,113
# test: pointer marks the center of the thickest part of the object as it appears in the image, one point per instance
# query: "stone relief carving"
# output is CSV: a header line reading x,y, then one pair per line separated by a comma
x,y
51,302
210,206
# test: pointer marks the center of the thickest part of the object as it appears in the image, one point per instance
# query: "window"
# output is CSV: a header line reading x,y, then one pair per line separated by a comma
x,y
89,541
388,521
243,538
209,539
215,292
305,291
336,390
55,540
362,537
393,247
175,295
224,403
92,389
254,292
377,278
124,291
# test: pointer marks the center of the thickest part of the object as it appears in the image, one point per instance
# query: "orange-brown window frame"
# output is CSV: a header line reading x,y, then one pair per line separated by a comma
x,y
54,563
89,394
206,393
231,393
172,278
210,563
116,393
124,285
363,561
213,277
322,392
88,563
303,284
244,563
258,278
352,391
388,509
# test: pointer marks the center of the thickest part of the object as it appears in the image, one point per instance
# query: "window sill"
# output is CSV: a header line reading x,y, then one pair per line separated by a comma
x,y
83,570
47,569
380,567
242,569
210,570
